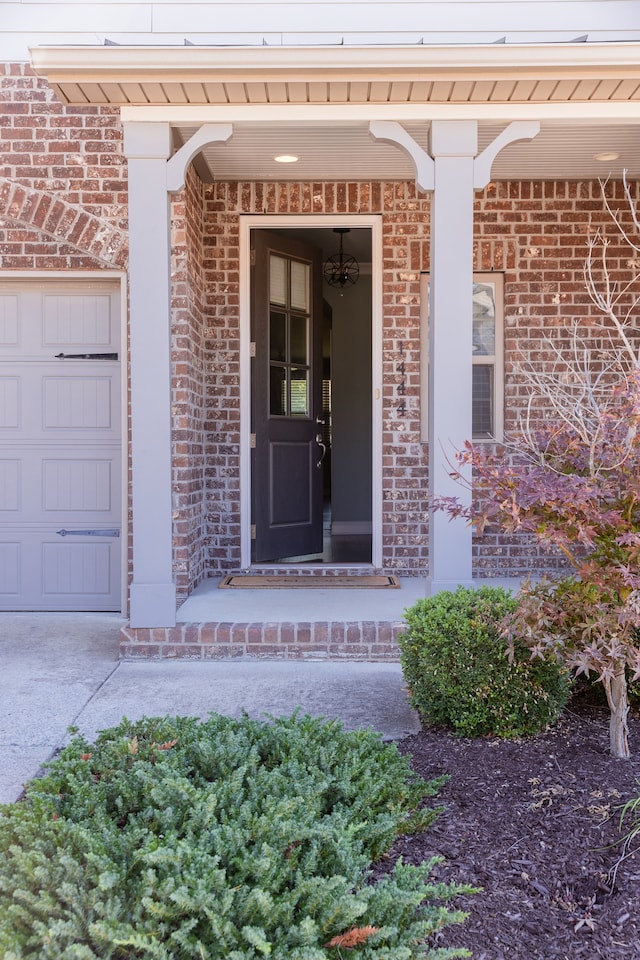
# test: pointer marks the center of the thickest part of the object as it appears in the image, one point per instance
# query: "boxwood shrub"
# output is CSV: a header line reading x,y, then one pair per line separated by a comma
x,y
458,672
175,839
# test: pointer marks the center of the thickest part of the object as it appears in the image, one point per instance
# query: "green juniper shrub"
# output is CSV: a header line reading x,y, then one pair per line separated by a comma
x,y
458,672
176,839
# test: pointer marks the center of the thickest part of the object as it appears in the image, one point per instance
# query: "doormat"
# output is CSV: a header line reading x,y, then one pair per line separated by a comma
x,y
311,582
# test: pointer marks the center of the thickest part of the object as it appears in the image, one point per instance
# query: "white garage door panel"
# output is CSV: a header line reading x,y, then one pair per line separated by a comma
x,y
10,402
40,570
10,486
76,403
66,399
81,320
50,484
60,451
38,325
9,320
79,567
77,486
10,569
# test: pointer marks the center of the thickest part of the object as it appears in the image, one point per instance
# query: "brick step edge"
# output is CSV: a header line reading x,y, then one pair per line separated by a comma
x,y
330,640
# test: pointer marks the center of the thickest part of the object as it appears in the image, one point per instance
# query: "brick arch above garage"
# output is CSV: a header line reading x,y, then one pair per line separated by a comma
x,y
74,234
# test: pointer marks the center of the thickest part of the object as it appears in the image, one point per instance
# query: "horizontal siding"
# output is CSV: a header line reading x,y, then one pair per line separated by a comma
x,y
40,22
351,16
597,11
74,18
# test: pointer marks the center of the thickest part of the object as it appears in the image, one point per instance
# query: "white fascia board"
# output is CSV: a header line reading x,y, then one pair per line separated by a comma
x,y
174,64
602,112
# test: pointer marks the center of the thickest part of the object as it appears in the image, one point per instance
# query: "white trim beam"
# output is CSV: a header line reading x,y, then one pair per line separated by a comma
x,y
196,115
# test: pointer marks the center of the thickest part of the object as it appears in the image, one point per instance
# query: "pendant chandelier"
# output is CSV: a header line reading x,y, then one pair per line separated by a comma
x,y
340,270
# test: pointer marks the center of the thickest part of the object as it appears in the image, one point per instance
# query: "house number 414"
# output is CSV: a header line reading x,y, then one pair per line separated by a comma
x,y
402,383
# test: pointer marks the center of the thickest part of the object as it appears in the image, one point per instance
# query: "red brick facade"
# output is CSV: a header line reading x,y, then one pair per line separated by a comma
x,y
63,206
63,185
189,357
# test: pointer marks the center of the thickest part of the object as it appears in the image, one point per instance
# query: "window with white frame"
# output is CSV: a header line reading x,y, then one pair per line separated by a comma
x,y
487,346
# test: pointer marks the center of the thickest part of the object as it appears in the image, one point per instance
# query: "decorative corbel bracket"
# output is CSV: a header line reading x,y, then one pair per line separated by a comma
x,y
518,130
392,132
178,163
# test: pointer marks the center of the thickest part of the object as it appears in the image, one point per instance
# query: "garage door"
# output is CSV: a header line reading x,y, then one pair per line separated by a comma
x,y
60,452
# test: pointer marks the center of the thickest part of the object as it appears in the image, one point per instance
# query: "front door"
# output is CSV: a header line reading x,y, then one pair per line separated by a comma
x,y
286,398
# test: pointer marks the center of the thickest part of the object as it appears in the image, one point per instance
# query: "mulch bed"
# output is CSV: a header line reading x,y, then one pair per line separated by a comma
x,y
535,823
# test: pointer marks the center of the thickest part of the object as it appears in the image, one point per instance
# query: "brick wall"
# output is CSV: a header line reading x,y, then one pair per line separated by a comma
x,y
222,337
188,387
538,233
63,188
63,206
534,232
405,226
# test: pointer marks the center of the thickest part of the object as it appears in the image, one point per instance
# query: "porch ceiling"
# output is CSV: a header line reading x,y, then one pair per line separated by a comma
x,y
315,102
339,151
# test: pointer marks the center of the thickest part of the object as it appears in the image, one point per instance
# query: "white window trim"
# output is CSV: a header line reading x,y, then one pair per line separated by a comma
x,y
497,360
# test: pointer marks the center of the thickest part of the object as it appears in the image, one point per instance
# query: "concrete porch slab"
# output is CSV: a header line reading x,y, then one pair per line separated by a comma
x,y
283,624
208,604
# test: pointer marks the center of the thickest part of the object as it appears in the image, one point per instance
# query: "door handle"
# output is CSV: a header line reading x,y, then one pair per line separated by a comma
x,y
324,450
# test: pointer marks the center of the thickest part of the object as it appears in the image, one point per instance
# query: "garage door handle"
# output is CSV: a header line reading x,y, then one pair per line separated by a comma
x,y
88,533
86,356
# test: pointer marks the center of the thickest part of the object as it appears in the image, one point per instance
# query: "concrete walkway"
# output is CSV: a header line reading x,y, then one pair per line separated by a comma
x,y
60,670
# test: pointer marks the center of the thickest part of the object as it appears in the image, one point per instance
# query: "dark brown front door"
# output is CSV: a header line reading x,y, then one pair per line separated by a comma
x,y
286,398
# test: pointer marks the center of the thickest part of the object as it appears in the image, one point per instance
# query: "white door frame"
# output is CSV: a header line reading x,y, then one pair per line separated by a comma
x,y
311,221
118,277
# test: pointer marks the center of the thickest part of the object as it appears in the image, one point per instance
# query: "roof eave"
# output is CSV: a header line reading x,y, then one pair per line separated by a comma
x,y
177,64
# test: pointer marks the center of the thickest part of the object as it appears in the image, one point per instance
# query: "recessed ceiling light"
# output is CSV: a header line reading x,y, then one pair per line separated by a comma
x,y
286,158
607,155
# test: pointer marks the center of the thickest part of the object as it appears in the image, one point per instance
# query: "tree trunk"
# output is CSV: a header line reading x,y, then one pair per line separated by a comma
x,y
617,699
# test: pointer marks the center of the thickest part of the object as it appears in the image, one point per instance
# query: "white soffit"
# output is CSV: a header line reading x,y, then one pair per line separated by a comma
x,y
498,73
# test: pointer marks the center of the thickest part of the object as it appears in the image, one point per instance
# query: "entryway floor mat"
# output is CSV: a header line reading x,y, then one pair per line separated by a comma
x,y
308,582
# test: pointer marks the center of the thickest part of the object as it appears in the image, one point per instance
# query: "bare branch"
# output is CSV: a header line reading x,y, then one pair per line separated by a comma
x,y
576,386
634,243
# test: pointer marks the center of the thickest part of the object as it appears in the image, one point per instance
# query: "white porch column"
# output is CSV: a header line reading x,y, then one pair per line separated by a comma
x,y
153,595
452,172
453,147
